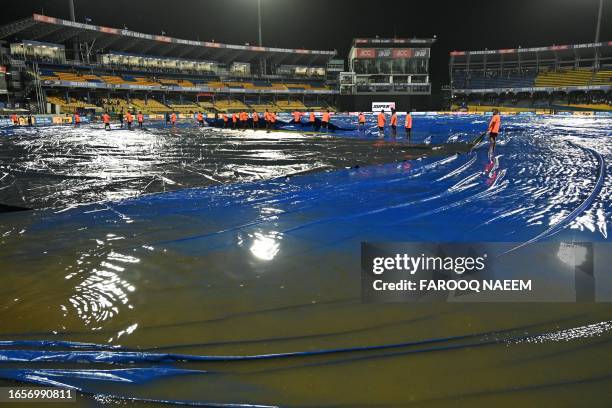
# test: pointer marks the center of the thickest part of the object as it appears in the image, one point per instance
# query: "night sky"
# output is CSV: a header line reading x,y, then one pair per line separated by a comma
x,y
331,24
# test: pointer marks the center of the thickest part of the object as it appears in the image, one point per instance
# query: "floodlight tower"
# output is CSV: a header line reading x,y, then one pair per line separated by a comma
x,y
75,45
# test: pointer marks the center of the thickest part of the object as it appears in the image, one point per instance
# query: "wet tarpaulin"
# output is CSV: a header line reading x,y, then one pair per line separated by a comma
x,y
271,268
63,166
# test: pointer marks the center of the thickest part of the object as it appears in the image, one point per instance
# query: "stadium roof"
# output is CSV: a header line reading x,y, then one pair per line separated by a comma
x,y
59,31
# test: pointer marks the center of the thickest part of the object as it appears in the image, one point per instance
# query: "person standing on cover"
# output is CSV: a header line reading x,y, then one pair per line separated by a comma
x,y
361,121
312,120
272,120
77,119
234,120
393,123
106,120
325,120
380,121
140,118
225,120
493,128
173,119
408,125
244,118
267,119
255,116
200,118
129,119
297,117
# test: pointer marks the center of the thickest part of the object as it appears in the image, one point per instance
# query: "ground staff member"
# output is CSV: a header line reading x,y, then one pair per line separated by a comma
x,y
393,123
173,119
361,121
325,120
493,129
297,117
380,121
408,125
272,119
200,118
106,120
140,118
77,119
312,120
255,120
225,120
267,119
129,119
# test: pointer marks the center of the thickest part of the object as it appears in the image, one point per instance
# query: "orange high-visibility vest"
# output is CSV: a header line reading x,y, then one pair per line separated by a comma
x,y
297,116
381,119
77,118
105,118
173,117
362,118
325,117
312,117
273,117
200,117
494,124
408,121
128,117
140,117
394,119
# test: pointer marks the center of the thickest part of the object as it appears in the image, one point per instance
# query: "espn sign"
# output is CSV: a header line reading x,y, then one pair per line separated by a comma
x,y
384,106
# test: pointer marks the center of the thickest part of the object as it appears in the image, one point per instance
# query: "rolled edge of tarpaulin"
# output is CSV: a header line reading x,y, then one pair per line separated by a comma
x,y
4,208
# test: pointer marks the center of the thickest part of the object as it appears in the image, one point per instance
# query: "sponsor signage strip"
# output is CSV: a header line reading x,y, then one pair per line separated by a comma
x,y
73,84
534,49
537,89
163,38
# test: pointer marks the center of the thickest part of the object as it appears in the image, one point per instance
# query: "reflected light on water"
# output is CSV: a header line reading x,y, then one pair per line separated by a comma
x,y
266,247
104,290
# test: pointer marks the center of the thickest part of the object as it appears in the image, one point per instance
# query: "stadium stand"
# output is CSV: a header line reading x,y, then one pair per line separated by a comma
x,y
564,78
290,105
116,105
184,107
602,77
68,107
150,106
230,105
119,79
555,77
